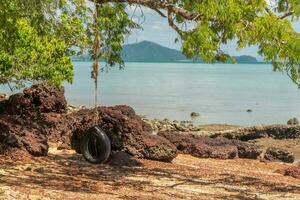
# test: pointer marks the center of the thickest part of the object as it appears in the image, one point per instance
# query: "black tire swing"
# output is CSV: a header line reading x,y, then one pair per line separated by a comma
x,y
95,145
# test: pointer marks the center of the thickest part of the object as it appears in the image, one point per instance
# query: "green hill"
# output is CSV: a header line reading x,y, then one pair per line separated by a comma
x,y
151,52
245,59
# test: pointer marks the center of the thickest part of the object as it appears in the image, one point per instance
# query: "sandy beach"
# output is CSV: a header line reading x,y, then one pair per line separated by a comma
x,y
65,175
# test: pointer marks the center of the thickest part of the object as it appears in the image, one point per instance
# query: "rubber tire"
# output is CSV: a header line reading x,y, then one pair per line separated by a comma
x,y
102,140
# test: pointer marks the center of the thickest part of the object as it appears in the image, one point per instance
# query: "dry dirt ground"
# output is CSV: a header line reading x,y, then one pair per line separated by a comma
x,y
65,175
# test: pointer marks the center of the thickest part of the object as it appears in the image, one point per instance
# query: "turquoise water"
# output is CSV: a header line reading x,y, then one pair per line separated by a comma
x,y
221,93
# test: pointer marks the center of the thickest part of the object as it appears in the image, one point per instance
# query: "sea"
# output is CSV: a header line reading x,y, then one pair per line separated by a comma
x,y
220,93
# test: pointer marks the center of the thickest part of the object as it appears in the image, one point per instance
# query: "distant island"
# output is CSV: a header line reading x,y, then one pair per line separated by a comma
x,y
147,51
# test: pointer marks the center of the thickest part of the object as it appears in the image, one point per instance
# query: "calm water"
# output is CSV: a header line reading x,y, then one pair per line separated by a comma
x,y
221,93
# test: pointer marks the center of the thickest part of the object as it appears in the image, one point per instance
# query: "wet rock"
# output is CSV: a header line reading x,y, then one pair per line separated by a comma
x,y
293,171
123,159
194,114
278,154
293,121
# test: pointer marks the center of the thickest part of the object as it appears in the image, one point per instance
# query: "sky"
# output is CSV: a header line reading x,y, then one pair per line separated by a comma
x,y
156,29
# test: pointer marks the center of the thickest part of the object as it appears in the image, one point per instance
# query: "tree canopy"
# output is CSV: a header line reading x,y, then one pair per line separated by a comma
x,y
37,37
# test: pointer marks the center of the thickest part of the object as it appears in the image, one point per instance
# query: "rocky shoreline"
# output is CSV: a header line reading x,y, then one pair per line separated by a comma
x,y
285,138
186,126
268,143
39,115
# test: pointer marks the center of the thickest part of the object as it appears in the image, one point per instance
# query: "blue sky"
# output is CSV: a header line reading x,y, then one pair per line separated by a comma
x,y
156,29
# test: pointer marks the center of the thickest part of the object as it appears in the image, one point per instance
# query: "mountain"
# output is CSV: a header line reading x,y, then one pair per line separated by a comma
x,y
150,52
147,51
245,59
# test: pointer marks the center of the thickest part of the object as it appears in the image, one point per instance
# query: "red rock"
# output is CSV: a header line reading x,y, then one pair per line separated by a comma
x,y
40,98
206,147
126,130
38,115
26,122
293,171
15,133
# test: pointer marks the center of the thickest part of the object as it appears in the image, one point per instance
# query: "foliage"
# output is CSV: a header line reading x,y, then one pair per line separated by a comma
x,y
38,36
250,22
34,44
34,57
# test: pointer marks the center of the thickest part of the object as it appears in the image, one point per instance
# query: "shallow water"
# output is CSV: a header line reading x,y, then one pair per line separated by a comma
x,y
221,93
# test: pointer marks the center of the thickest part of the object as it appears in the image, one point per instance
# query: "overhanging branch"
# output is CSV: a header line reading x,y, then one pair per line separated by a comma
x,y
159,5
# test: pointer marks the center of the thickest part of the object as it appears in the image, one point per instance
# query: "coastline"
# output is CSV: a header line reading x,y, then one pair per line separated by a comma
x,y
279,134
256,134
215,175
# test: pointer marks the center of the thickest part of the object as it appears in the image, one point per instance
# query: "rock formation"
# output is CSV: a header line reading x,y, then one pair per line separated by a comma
x,y
206,147
255,132
278,154
293,121
31,119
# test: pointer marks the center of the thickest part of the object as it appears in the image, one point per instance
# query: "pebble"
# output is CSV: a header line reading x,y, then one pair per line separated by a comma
x,y
167,125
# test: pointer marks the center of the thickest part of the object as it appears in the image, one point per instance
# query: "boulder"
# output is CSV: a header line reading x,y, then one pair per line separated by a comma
x,y
293,121
195,114
126,130
247,150
40,98
22,123
16,133
278,154
202,150
38,115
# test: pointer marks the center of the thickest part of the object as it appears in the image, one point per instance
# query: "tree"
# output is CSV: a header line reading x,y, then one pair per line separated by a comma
x,y
31,28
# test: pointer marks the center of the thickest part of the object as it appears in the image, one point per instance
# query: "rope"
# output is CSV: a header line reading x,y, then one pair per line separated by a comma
x,y
96,48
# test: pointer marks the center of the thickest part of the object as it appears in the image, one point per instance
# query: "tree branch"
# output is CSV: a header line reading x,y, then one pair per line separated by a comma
x,y
287,70
289,11
173,25
159,5
159,12
285,15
